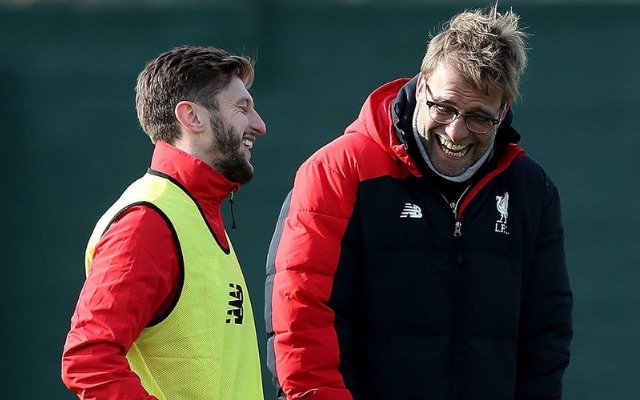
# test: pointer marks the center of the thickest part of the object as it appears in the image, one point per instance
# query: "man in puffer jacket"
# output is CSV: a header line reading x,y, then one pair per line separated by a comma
x,y
421,254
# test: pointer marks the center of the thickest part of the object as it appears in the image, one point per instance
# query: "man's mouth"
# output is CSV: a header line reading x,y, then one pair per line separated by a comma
x,y
452,149
247,143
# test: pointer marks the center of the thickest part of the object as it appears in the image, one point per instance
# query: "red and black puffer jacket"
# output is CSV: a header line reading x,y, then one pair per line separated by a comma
x,y
376,289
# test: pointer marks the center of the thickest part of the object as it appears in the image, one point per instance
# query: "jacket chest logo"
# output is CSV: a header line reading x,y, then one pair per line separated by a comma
x,y
502,204
236,310
411,211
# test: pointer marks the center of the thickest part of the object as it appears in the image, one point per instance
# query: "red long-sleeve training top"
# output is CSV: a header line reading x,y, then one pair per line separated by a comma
x,y
133,280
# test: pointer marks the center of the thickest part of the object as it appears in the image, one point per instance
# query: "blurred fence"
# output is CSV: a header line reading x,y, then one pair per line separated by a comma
x,y
311,3
71,144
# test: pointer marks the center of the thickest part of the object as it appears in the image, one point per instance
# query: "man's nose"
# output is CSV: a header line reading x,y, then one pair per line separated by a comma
x,y
457,130
257,124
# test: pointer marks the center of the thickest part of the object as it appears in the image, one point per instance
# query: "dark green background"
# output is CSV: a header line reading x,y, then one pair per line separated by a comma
x,y
71,144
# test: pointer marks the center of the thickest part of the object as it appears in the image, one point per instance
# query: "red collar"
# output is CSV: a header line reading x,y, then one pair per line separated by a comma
x,y
204,183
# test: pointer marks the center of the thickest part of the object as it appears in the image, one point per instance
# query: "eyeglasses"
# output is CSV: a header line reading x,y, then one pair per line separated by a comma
x,y
475,123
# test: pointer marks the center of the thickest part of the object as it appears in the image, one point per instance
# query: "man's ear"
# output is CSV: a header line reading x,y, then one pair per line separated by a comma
x,y
190,116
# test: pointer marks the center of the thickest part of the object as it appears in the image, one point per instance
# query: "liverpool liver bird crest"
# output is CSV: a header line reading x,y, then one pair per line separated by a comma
x,y
502,203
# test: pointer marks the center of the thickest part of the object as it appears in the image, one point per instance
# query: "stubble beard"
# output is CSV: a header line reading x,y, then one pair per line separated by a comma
x,y
227,142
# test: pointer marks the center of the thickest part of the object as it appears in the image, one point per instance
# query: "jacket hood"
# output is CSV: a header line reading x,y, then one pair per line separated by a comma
x,y
386,117
375,121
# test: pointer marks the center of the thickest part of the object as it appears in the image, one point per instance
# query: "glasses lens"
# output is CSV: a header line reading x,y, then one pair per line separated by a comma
x,y
441,115
479,124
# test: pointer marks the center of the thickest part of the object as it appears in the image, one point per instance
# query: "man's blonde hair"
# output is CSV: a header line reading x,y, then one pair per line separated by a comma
x,y
486,47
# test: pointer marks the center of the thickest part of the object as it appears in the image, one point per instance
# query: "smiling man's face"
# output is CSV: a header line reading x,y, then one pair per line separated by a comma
x,y
453,148
233,130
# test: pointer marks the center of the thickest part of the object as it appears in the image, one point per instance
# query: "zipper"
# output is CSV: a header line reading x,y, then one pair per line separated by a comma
x,y
457,322
457,227
457,230
233,217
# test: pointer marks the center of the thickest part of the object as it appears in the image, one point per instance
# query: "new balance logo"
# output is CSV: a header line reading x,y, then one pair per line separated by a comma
x,y
236,311
411,211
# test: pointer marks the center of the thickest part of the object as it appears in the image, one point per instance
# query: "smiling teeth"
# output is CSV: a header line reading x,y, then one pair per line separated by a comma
x,y
452,149
453,146
248,143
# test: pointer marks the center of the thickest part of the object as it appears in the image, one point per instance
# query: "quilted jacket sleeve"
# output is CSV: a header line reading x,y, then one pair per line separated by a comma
x,y
546,326
303,349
